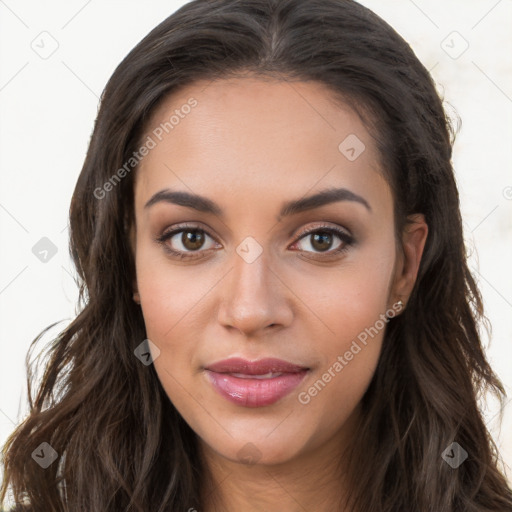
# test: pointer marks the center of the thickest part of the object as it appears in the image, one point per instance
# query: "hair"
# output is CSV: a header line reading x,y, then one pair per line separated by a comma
x,y
121,443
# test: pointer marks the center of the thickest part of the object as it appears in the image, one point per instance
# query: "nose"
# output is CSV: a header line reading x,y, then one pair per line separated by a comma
x,y
254,298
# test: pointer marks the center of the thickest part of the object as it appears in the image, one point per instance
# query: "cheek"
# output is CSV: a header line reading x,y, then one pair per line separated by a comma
x,y
170,293
349,299
176,302
352,306
171,299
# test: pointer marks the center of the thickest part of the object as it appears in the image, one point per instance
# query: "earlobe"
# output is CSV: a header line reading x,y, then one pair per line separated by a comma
x,y
135,288
414,237
133,241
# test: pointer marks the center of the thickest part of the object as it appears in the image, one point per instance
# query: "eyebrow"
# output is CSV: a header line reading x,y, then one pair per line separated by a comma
x,y
203,204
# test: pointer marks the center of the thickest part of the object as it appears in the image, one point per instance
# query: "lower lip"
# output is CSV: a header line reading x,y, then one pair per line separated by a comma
x,y
254,392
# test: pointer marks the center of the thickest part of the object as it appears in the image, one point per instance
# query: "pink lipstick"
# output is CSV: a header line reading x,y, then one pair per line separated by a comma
x,y
255,383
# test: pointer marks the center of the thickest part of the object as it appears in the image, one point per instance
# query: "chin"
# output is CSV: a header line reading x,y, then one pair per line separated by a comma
x,y
251,452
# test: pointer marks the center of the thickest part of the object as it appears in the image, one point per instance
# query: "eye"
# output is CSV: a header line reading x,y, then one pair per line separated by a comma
x,y
187,242
183,241
322,240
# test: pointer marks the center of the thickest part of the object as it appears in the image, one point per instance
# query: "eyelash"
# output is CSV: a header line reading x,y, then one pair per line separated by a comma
x,y
346,239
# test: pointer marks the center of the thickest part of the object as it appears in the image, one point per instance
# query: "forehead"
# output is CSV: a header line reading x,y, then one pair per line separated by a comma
x,y
253,135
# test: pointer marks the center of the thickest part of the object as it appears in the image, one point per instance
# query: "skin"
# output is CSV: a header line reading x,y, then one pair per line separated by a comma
x,y
250,145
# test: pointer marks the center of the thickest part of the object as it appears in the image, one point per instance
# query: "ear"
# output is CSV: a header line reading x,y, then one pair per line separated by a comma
x,y
413,241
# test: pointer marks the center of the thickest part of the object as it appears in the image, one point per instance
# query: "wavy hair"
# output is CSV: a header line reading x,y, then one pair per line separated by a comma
x,y
121,444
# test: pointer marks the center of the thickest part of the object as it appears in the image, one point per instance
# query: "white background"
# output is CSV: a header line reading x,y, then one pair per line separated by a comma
x,y
47,110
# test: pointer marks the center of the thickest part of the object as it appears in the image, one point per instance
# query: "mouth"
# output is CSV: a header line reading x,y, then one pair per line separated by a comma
x,y
255,383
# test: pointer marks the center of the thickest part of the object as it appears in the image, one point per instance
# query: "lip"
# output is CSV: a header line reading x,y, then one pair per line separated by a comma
x,y
248,383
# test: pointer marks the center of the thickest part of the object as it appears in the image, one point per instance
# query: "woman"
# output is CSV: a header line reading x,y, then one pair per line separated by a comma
x,y
277,309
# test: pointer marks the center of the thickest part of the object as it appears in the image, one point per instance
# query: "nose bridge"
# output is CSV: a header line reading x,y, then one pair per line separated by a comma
x,y
250,274
252,298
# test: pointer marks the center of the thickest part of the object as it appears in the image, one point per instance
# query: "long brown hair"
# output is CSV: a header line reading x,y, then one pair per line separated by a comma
x,y
120,443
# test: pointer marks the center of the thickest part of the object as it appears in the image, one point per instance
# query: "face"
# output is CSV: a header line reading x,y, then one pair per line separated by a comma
x,y
235,262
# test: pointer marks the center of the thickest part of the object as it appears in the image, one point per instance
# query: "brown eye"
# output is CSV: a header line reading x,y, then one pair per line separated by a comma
x,y
192,240
186,242
324,241
321,240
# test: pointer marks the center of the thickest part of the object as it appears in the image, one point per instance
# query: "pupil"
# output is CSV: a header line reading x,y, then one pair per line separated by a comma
x,y
324,239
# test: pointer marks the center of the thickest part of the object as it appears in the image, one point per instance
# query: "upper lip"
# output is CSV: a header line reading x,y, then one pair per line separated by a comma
x,y
259,367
